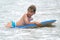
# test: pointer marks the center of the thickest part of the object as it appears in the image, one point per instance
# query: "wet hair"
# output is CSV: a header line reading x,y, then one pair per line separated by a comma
x,y
32,8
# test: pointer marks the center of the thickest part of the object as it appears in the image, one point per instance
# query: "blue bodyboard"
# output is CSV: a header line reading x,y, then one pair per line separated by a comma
x,y
34,25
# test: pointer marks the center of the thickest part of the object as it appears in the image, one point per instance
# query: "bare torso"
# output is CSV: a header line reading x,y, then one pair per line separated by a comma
x,y
21,21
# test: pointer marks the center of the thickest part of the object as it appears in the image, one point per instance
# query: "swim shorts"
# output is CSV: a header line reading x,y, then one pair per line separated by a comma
x,y
13,24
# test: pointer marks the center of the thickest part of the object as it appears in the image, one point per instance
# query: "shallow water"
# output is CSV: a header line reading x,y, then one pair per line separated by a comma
x,y
14,9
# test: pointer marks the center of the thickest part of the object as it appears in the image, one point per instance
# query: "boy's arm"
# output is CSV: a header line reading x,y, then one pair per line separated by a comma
x,y
27,20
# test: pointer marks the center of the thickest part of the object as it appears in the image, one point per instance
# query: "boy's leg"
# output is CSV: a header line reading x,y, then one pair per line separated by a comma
x,y
9,24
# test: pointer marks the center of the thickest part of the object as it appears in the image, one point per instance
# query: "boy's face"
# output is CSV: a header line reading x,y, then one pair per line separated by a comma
x,y
31,13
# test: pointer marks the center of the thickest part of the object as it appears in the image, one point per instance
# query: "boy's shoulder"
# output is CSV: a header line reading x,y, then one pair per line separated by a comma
x,y
25,15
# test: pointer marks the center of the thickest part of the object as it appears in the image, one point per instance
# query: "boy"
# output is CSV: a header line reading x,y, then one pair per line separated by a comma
x,y
25,18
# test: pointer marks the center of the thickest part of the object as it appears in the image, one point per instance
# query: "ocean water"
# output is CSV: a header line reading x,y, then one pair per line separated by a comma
x,y
14,9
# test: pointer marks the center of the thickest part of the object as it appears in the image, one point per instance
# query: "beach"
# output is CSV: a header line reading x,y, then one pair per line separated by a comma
x,y
12,10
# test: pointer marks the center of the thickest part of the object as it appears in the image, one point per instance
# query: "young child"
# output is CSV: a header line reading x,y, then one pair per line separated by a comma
x,y
26,18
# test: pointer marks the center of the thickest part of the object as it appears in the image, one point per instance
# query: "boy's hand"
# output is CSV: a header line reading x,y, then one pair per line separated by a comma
x,y
38,24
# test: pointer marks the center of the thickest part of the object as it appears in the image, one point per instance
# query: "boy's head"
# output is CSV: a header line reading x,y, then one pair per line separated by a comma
x,y
31,10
